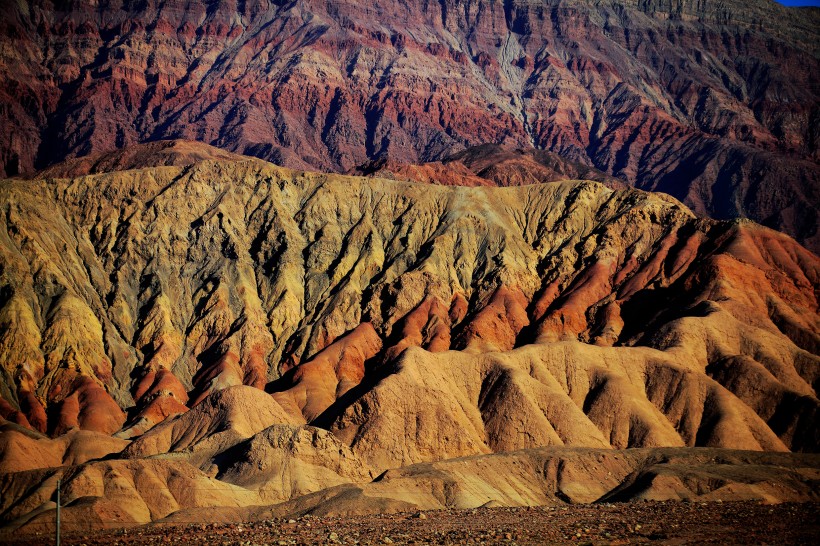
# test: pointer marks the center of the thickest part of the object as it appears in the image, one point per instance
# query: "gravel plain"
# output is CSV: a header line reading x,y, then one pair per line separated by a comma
x,y
619,523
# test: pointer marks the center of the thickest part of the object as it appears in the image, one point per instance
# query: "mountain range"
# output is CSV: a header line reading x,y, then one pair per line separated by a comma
x,y
268,259
715,103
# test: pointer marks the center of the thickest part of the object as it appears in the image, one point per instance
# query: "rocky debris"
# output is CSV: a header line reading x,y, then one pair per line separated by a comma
x,y
635,523
714,105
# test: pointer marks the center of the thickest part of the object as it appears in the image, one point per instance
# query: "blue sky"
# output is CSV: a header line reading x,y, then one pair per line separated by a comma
x,y
800,2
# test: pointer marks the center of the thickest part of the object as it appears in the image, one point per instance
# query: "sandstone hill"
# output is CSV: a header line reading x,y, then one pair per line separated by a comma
x,y
121,493
713,102
520,316
252,336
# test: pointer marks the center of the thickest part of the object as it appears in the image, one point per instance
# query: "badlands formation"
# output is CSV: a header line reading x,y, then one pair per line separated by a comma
x,y
186,334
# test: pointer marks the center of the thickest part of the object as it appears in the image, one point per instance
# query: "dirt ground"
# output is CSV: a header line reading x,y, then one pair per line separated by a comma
x,y
622,523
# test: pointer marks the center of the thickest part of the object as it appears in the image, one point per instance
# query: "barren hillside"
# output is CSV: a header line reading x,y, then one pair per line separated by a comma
x,y
253,336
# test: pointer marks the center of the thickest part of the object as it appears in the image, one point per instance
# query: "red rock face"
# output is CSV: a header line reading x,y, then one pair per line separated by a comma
x,y
718,108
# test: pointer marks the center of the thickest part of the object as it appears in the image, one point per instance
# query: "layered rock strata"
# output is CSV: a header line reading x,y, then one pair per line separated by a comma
x,y
714,103
416,322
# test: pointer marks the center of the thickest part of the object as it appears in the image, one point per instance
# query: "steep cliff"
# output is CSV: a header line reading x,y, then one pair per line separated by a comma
x,y
713,102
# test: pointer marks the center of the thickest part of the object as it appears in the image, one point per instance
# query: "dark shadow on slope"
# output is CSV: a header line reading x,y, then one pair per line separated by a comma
x,y
375,373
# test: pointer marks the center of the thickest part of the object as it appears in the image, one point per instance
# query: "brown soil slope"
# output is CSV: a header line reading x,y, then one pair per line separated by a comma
x,y
715,104
120,493
257,336
417,322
